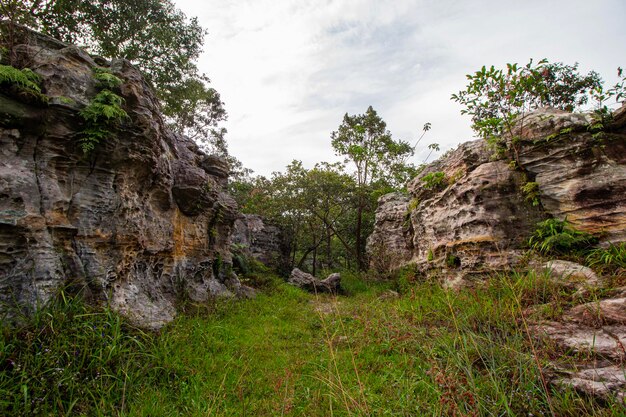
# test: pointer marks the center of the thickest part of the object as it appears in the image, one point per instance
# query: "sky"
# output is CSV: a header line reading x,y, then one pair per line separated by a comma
x,y
288,70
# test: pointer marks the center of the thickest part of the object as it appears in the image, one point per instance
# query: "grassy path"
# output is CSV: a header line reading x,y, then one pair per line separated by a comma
x,y
428,352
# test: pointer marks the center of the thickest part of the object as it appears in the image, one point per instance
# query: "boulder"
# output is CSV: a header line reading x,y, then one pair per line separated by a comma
x,y
390,245
571,274
332,284
594,334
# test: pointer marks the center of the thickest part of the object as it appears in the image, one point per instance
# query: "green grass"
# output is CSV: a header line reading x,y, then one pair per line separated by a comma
x,y
428,352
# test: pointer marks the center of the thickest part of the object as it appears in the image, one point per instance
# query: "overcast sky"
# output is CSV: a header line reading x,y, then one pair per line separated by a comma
x,y
288,71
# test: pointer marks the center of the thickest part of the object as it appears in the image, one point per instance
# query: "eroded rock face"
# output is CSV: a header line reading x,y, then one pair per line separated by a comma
x,y
265,242
137,224
594,335
580,176
391,243
479,218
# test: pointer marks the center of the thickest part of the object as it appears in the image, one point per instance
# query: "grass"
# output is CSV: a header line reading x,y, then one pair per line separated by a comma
x,y
428,351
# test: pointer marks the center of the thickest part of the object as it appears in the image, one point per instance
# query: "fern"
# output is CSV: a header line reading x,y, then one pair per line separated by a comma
x,y
106,80
24,81
102,115
554,236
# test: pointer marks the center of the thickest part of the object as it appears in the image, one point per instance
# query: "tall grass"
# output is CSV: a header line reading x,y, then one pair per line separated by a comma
x,y
429,351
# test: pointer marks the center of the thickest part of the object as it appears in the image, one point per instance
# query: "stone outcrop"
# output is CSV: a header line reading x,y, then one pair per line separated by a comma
x,y
592,337
265,242
479,218
300,279
391,243
141,222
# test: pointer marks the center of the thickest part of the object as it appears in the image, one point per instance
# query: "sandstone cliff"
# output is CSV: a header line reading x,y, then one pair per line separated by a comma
x,y
477,216
139,223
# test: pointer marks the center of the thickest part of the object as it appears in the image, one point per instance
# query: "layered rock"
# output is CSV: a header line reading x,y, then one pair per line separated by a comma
x,y
261,240
391,244
592,337
477,216
139,223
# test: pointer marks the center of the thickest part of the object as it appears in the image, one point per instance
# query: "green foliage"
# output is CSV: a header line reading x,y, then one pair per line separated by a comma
x,y
413,204
611,257
558,237
153,34
435,180
22,81
106,80
70,359
431,255
364,140
531,192
498,100
102,116
602,113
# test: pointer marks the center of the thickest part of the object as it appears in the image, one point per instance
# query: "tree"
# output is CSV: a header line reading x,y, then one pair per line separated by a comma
x,y
155,36
498,100
379,162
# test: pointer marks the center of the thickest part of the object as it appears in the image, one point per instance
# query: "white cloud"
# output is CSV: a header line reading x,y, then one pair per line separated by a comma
x,y
289,70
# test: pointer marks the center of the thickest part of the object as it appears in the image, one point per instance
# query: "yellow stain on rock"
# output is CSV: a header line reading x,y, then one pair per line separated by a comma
x,y
186,237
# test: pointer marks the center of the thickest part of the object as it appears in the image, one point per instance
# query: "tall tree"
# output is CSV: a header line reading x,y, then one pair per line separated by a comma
x,y
378,159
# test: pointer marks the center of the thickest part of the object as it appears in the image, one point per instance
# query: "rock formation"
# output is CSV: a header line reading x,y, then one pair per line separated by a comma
x,y
300,279
265,242
139,223
477,216
592,337
391,242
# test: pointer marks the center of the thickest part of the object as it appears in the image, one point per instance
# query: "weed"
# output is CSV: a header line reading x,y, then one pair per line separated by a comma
x,y
531,192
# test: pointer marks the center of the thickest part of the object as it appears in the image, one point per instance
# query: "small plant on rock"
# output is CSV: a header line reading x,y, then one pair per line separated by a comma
x,y
531,192
21,82
435,181
103,114
558,237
